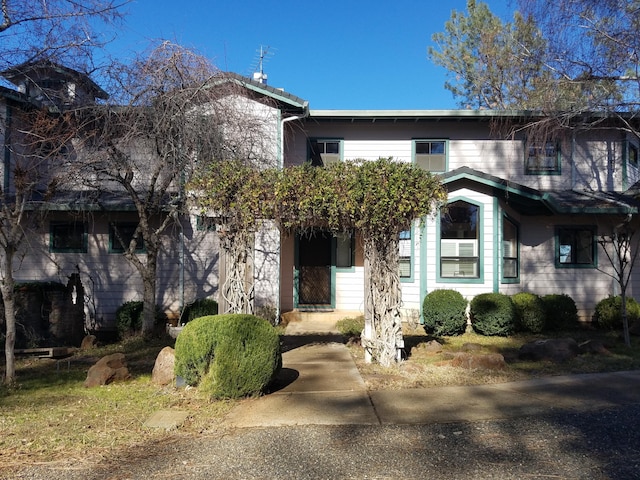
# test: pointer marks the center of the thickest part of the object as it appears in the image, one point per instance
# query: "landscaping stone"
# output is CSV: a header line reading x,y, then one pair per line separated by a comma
x,y
89,342
432,346
553,349
471,347
108,369
163,370
594,346
489,361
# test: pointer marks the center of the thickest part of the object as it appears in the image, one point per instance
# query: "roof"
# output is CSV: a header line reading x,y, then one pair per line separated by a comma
x,y
25,70
281,96
530,201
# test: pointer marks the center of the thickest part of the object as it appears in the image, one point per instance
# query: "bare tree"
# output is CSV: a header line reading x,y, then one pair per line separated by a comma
x,y
35,125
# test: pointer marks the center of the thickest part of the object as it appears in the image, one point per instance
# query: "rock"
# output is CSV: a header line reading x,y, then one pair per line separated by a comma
x,y
108,369
89,342
594,346
432,346
471,347
163,373
489,361
554,349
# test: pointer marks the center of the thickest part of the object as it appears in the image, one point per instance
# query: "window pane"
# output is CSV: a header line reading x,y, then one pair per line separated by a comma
x,y
437,148
344,254
332,147
509,268
459,221
584,247
576,246
68,237
422,148
404,252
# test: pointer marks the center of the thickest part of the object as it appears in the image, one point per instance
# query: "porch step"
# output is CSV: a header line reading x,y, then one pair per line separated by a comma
x,y
301,323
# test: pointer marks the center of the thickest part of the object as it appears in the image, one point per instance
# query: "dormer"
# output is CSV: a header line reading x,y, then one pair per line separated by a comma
x,y
48,84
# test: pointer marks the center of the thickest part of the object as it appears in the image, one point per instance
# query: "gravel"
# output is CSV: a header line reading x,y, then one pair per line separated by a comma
x,y
599,444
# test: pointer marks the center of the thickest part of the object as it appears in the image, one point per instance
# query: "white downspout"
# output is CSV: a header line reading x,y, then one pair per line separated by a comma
x,y
304,114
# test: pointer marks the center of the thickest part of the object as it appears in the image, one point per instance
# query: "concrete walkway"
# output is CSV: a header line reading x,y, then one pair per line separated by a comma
x,y
320,385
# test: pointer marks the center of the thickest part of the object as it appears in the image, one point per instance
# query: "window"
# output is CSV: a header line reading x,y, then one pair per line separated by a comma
x,y
345,250
632,154
324,152
68,237
205,224
510,260
576,247
459,241
542,158
430,155
120,235
405,254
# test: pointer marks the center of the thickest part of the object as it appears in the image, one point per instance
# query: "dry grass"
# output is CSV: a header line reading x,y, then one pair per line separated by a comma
x,y
423,369
49,415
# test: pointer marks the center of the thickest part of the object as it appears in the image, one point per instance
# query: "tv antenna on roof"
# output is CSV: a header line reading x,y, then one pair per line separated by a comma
x,y
259,75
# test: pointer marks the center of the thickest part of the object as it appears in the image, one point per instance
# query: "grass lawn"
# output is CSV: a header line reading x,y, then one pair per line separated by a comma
x,y
49,415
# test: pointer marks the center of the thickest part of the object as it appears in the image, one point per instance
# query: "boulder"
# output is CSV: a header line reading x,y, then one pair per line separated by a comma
x,y
432,346
553,349
489,361
163,370
595,347
89,342
108,369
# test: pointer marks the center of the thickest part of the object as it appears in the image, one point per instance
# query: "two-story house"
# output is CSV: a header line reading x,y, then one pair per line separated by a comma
x,y
523,215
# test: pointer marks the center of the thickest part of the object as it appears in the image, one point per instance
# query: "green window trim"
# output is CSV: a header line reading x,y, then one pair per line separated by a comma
x,y
510,253
68,237
432,154
576,246
126,230
542,159
480,256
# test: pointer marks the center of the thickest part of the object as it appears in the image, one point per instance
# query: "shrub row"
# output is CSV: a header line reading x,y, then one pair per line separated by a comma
x,y
444,313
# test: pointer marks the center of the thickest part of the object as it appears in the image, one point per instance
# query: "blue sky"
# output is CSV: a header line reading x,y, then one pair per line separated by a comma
x,y
348,54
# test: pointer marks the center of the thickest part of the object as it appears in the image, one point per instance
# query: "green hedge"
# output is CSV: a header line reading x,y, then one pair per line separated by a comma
x,y
530,312
201,307
562,313
608,312
493,314
129,317
228,356
444,312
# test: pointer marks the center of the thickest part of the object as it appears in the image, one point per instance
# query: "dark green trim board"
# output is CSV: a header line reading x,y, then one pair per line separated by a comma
x,y
423,266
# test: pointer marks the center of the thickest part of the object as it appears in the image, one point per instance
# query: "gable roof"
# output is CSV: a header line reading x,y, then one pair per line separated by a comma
x,y
530,201
286,100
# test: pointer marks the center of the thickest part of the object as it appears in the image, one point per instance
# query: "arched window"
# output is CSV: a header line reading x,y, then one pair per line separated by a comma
x,y
459,241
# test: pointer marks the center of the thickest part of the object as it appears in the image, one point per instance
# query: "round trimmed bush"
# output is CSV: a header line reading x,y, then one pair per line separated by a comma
x,y
129,317
493,314
562,313
608,312
530,312
199,308
228,356
444,312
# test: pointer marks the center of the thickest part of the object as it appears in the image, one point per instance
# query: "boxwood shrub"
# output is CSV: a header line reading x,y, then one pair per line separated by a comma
x,y
444,312
531,315
608,312
562,313
199,308
493,314
129,317
228,356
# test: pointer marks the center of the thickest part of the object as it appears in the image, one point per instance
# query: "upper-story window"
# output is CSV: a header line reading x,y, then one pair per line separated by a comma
x,y
120,236
323,152
542,158
430,155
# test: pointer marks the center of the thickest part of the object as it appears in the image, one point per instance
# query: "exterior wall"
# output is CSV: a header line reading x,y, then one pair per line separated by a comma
x,y
109,279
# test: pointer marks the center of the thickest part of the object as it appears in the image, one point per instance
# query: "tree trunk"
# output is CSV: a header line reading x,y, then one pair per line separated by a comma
x,y
383,326
625,316
7,288
148,275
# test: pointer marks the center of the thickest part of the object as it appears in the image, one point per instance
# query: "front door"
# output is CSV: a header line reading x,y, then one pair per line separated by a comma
x,y
314,270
